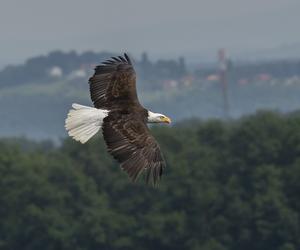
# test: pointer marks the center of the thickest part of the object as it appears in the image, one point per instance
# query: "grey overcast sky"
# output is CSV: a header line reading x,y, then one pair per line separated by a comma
x,y
166,28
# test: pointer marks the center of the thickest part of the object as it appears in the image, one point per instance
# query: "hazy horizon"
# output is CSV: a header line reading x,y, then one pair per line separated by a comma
x,y
194,29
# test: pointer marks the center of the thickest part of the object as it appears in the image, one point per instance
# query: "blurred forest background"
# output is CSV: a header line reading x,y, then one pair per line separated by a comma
x,y
227,186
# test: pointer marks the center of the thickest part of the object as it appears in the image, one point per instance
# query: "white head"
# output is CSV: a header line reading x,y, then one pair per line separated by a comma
x,y
157,118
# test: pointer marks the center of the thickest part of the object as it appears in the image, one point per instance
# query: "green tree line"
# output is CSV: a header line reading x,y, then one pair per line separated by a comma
x,y
227,186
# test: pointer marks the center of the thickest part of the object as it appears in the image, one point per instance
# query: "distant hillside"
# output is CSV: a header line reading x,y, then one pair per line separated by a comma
x,y
70,65
35,96
290,51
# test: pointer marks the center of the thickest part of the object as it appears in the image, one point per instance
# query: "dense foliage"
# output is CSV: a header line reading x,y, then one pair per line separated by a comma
x,y
228,186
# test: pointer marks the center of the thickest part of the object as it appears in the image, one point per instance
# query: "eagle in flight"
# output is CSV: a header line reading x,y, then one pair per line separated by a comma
x,y
123,120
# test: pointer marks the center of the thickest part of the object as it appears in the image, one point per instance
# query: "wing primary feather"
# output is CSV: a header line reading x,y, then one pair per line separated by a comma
x,y
107,63
122,59
155,172
117,59
150,175
148,171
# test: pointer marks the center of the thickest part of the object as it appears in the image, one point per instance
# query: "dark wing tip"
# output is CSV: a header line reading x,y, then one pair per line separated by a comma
x,y
110,64
116,60
127,58
122,58
153,173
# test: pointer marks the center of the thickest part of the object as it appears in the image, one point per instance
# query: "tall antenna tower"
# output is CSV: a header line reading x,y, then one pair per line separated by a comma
x,y
223,75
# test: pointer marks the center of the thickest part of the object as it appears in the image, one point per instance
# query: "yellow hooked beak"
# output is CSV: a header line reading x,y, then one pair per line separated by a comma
x,y
166,119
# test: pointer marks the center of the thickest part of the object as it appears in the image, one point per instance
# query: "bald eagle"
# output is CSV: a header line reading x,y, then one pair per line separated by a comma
x,y
123,120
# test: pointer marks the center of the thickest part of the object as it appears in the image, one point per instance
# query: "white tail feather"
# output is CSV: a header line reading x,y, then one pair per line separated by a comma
x,y
84,122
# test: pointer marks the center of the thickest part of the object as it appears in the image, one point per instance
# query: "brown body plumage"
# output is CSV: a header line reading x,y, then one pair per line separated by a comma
x,y
124,128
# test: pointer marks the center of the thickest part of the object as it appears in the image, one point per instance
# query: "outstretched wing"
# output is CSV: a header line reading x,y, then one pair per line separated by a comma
x,y
113,84
129,140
